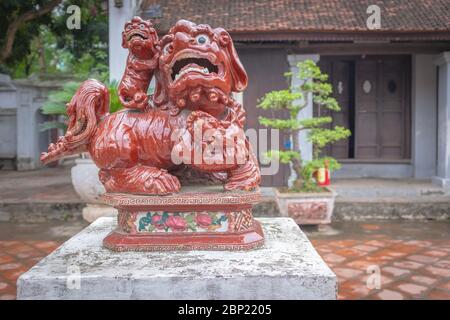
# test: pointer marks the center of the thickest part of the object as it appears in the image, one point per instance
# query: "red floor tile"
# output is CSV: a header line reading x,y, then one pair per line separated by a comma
x,y
408,264
442,264
419,279
359,264
5,258
445,286
436,253
347,273
412,288
390,295
422,258
438,295
439,272
395,272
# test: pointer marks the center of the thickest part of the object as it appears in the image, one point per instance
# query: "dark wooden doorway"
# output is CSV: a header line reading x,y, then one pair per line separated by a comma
x,y
265,69
374,95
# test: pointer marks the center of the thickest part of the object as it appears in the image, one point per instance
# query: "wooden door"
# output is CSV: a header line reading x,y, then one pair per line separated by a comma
x,y
366,111
340,73
382,108
342,91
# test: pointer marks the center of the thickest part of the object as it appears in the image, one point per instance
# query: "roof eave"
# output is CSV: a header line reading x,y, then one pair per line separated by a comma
x,y
334,35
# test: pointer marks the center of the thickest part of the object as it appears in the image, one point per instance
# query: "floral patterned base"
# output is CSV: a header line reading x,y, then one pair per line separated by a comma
x,y
181,222
187,221
135,222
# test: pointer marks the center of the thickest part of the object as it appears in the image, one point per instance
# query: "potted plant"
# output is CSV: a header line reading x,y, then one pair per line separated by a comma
x,y
85,173
305,200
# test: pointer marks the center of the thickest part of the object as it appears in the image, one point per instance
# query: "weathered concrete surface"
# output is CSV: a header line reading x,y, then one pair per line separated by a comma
x,y
29,212
391,208
361,209
46,185
287,267
363,199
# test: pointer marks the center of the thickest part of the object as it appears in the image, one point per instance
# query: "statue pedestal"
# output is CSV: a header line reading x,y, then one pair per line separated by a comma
x,y
208,219
285,267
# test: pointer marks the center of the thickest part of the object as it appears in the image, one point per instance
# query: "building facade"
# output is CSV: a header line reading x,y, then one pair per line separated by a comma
x,y
22,139
392,82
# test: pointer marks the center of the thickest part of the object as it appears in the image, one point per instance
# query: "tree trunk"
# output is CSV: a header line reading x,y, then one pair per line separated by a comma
x,y
41,49
11,32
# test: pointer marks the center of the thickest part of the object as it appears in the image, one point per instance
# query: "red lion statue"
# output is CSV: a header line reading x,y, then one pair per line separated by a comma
x,y
197,68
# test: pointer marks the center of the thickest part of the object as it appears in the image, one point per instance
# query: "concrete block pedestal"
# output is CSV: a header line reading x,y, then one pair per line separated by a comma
x,y
286,267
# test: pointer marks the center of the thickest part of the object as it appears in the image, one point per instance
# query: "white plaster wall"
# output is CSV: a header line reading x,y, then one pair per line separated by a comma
x,y
8,116
374,170
443,152
117,19
31,141
424,116
8,96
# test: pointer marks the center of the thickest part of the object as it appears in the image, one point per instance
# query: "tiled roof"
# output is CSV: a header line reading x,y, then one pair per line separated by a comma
x,y
288,16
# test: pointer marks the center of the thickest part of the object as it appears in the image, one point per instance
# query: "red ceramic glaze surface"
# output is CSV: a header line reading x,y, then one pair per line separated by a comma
x,y
196,69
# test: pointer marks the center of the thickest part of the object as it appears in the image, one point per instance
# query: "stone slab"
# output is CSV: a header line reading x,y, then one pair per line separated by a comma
x,y
287,267
94,211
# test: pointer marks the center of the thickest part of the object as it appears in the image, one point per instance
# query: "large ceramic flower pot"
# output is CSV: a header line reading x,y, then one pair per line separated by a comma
x,y
87,185
307,208
85,181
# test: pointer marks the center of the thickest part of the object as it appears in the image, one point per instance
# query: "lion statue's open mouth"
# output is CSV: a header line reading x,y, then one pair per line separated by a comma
x,y
188,63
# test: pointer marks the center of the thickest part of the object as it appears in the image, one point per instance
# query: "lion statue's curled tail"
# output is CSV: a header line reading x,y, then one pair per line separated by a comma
x,y
89,104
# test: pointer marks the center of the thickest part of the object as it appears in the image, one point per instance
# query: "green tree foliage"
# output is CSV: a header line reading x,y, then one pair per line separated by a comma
x,y
312,83
41,43
19,25
92,35
88,46
45,44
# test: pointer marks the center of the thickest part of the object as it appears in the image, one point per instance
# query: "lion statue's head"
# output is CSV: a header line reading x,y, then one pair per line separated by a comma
x,y
198,69
141,38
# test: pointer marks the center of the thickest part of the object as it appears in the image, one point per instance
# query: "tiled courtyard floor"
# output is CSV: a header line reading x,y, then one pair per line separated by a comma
x,y
413,257
22,246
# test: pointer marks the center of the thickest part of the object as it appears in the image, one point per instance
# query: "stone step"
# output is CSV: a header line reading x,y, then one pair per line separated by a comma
x,y
435,208
37,212
388,208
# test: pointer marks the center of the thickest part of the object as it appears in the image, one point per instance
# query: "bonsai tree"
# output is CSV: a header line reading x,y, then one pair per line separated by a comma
x,y
295,99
